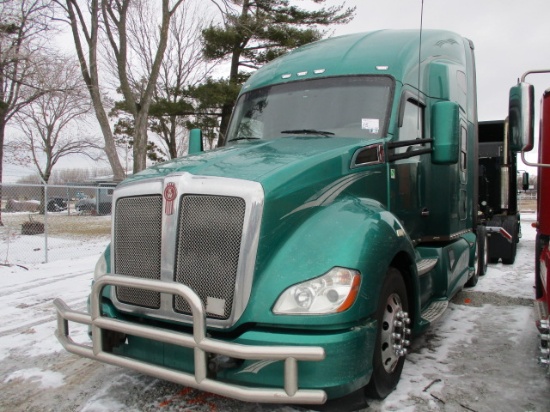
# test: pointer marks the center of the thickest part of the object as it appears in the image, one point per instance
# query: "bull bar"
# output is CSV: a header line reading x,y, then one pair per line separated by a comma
x,y
198,341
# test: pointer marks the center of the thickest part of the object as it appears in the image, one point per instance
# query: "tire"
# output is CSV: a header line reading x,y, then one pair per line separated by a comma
x,y
483,251
510,260
481,256
497,244
511,224
392,318
112,339
52,206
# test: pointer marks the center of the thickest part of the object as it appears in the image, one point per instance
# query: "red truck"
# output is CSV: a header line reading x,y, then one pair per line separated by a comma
x,y
521,118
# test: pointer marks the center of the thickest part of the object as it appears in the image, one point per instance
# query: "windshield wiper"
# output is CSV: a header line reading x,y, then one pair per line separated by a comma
x,y
243,138
308,131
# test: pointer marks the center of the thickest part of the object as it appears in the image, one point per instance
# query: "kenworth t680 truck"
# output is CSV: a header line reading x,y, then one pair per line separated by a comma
x,y
295,263
521,115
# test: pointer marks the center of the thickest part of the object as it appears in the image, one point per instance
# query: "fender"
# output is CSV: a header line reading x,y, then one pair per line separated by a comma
x,y
102,267
350,232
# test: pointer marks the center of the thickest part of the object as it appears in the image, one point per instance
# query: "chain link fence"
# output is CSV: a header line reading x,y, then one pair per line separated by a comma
x,y
42,223
527,201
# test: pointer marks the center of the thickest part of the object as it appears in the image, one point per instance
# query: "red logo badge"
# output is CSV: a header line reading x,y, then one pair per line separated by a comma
x,y
170,194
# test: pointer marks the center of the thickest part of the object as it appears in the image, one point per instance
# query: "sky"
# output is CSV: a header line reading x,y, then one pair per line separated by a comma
x,y
510,38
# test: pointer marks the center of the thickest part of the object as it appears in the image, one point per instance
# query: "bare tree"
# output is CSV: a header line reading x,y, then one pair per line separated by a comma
x,y
23,24
116,16
49,123
64,176
113,16
183,65
86,37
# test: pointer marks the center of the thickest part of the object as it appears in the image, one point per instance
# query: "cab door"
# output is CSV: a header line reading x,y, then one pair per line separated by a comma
x,y
407,172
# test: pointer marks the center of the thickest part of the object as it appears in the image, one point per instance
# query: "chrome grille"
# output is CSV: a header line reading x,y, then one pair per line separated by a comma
x,y
209,241
138,230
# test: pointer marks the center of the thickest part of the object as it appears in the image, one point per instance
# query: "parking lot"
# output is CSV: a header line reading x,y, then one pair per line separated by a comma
x,y
480,356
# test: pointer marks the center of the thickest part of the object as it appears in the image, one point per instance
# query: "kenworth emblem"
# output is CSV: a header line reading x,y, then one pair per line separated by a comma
x,y
170,193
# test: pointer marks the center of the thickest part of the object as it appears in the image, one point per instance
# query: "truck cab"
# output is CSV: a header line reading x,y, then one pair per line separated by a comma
x,y
522,120
497,191
295,263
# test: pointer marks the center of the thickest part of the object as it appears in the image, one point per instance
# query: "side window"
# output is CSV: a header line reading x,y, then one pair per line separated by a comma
x,y
412,126
413,122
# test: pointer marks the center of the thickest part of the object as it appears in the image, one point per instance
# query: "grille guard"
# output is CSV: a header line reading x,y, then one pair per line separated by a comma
x,y
199,342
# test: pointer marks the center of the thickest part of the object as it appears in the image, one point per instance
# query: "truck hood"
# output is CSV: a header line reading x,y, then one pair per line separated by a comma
x,y
269,162
301,176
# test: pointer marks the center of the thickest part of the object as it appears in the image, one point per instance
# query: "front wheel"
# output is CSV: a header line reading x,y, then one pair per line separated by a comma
x,y
392,337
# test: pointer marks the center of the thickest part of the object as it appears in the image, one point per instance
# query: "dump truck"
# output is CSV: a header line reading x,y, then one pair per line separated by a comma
x,y
295,263
521,115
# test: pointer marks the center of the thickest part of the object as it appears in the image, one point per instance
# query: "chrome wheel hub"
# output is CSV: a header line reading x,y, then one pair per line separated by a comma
x,y
395,336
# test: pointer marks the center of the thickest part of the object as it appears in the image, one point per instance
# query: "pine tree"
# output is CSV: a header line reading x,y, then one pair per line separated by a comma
x,y
257,31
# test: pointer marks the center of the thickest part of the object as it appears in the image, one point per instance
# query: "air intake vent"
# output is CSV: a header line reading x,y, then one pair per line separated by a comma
x,y
138,225
209,241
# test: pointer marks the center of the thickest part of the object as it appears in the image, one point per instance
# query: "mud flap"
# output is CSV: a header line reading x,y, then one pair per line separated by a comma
x,y
503,234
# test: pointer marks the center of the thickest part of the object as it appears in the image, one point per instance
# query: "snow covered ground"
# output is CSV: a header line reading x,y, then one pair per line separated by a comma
x,y
480,356
69,236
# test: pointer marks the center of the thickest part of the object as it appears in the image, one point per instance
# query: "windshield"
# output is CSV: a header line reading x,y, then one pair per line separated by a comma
x,y
350,106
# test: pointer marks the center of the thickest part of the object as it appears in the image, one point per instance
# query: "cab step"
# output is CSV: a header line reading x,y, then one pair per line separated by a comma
x,y
425,265
541,312
434,310
543,324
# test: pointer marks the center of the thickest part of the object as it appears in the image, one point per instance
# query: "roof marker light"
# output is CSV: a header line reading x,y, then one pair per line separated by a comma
x,y
382,67
301,73
319,71
286,76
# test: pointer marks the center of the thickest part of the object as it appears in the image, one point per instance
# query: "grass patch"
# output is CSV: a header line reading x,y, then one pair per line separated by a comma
x,y
62,224
527,205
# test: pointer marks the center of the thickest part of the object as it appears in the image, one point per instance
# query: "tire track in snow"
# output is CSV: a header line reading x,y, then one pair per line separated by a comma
x,y
40,321
31,302
36,283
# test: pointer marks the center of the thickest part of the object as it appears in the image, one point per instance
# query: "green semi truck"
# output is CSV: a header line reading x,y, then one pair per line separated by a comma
x,y
295,263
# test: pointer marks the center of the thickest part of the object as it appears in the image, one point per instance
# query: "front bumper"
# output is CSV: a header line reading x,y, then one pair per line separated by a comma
x,y
341,373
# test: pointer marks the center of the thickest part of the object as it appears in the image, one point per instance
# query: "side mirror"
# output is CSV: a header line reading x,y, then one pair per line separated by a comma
x,y
445,133
525,181
195,141
521,117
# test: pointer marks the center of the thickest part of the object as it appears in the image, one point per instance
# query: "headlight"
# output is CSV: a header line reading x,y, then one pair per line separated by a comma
x,y
100,267
333,292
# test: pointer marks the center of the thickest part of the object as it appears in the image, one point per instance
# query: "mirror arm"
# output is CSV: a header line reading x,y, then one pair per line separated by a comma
x,y
407,155
525,161
406,143
524,75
